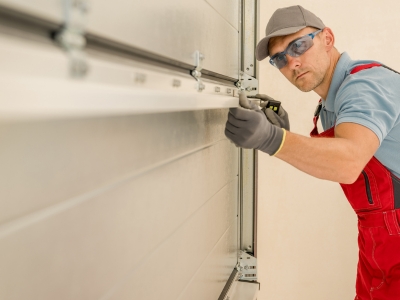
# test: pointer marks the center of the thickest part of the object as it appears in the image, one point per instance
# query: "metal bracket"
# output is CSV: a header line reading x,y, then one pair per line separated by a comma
x,y
72,35
236,289
248,84
196,73
247,267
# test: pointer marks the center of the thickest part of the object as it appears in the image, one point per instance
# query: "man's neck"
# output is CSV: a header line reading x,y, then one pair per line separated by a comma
x,y
323,89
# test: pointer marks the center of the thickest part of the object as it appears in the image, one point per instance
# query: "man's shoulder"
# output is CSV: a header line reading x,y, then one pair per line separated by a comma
x,y
368,89
375,79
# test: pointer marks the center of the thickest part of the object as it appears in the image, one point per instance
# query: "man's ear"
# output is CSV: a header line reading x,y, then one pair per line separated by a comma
x,y
329,38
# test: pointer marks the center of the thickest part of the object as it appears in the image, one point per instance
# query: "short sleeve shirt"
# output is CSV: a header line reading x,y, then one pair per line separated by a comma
x,y
371,98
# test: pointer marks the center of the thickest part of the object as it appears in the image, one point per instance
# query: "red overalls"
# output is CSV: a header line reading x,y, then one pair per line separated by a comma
x,y
375,197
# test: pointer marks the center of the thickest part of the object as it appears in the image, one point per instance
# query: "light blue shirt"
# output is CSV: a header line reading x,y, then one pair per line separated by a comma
x,y
371,98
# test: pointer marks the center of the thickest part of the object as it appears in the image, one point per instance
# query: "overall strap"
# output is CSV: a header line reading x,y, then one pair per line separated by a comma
x,y
317,111
363,67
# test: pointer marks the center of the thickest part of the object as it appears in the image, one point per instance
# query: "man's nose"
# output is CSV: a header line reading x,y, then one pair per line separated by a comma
x,y
293,62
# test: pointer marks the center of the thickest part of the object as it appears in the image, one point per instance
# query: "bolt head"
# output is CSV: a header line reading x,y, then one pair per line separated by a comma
x,y
176,83
200,86
140,78
78,68
196,73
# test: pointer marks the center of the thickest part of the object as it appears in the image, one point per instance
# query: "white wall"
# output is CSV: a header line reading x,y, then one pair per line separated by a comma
x,y
307,231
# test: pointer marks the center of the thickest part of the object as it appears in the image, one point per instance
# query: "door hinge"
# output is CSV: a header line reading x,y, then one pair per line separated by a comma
x,y
196,73
247,83
247,266
71,36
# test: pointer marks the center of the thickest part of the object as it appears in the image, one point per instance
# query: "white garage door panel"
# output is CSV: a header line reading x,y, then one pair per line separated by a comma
x,y
130,205
84,251
228,9
211,278
176,261
33,89
174,29
44,163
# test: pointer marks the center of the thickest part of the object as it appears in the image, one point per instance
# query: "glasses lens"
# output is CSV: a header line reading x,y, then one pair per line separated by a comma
x,y
279,60
300,46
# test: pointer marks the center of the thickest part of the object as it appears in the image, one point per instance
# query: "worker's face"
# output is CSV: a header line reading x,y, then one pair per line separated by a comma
x,y
308,70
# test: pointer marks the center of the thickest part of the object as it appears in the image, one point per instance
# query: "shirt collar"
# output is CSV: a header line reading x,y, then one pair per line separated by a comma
x,y
340,73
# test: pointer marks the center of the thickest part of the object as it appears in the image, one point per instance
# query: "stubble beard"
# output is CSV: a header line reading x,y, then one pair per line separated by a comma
x,y
309,86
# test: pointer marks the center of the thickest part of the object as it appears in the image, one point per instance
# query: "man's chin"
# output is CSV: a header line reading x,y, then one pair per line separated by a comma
x,y
307,88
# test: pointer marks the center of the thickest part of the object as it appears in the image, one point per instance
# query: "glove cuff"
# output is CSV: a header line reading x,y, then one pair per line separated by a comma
x,y
274,140
281,145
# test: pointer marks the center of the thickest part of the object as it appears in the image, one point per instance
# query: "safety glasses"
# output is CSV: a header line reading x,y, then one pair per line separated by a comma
x,y
294,49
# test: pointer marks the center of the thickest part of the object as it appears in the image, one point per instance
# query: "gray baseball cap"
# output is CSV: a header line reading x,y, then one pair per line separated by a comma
x,y
286,21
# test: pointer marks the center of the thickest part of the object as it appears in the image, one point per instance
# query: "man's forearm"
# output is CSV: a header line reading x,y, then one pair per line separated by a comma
x,y
326,158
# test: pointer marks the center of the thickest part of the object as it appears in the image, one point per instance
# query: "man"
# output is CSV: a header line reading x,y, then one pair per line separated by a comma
x,y
360,147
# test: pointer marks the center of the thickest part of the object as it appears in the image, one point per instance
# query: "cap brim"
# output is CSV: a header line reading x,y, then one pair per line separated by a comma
x,y
262,46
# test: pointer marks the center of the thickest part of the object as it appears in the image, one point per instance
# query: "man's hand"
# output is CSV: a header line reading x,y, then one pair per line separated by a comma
x,y
281,119
249,128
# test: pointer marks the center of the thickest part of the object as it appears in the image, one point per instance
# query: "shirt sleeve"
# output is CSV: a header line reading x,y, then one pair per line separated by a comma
x,y
370,98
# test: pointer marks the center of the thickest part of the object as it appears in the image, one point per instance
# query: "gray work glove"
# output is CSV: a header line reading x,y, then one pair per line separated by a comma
x,y
249,128
281,119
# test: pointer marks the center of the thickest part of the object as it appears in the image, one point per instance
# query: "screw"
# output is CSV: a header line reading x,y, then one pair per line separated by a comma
x,y
140,78
247,69
79,68
229,91
217,89
176,83
251,65
200,87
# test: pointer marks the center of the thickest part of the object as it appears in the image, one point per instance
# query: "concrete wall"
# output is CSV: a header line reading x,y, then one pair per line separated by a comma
x,y
307,230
